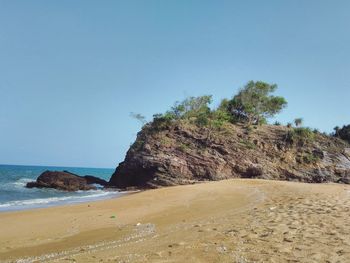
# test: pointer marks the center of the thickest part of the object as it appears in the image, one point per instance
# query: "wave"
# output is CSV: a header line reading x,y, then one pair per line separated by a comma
x,y
42,202
20,183
17,184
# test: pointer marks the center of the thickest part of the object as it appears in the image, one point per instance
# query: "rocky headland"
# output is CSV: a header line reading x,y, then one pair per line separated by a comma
x,y
183,153
193,142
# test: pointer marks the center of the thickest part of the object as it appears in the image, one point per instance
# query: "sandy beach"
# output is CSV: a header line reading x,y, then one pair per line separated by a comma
x,y
225,221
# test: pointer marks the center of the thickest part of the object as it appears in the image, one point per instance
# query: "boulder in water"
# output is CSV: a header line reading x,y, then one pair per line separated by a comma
x,y
66,181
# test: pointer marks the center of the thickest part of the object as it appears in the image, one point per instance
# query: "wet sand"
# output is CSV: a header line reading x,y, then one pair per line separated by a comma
x,y
226,221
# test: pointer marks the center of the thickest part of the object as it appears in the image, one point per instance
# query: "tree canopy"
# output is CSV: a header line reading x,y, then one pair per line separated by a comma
x,y
139,117
254,104
343,133
298,122
191,107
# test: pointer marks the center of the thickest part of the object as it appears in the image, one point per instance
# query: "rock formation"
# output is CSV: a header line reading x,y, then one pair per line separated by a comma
x,y
184,153
66,181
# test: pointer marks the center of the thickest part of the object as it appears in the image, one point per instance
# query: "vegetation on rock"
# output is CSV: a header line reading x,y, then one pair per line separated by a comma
x,y
300,136
185,153
298,122
193,142
253,105
343,133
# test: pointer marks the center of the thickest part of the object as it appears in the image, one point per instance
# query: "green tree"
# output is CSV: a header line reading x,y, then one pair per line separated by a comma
x,y
192,107
139,117
254,104
219,117
343,133
336,130
224,105
298,122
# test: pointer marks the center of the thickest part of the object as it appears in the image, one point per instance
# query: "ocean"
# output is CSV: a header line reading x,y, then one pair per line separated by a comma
x,y
15,196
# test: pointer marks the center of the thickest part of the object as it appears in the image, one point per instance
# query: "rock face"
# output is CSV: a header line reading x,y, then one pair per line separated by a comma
x,y
184,153
66,181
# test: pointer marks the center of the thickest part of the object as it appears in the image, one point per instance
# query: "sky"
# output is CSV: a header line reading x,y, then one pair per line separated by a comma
x,y
72,71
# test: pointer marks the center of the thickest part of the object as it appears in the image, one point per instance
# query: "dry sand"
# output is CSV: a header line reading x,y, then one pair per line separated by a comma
x,y
226,221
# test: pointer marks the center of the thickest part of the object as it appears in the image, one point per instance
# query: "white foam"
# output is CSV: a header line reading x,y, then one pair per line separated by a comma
x,y
20,183
39,202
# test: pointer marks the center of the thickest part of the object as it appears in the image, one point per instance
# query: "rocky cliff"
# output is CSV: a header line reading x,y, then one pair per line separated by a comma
x,y
183,153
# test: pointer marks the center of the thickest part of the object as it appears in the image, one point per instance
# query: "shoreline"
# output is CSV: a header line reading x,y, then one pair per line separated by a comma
x,y
210,222
42,203
14,195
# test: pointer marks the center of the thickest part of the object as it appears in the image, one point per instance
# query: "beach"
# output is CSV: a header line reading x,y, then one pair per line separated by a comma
x,y
226,221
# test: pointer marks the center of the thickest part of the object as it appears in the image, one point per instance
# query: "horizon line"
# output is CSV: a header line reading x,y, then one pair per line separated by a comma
x,y
7,164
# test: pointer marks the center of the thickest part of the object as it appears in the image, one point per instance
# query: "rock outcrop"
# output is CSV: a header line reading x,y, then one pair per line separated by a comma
x,y
66,181
183,153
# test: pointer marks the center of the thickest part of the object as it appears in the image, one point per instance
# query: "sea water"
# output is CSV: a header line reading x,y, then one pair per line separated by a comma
x,y
15,196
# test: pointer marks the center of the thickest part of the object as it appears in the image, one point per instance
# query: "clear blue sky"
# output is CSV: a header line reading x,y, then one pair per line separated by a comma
x,y
72,71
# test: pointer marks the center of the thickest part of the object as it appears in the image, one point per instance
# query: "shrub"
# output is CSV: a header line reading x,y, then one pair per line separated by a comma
x,y
219,118
139,117
298,122
165,141
289,125
192,107
250,129
277,123
162,121
252,105
299,136
183,147
316,131
343,133
248,144
310,158
202,119
137,145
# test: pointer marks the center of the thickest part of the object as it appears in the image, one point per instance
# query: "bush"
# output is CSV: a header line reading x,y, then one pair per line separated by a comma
x,y
262,121
219,118
298,122
248,144
139,117
252,105
162,121
310,158
202,119
343,133
300,136
183,147
192,107
316,131
277,123
137,145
